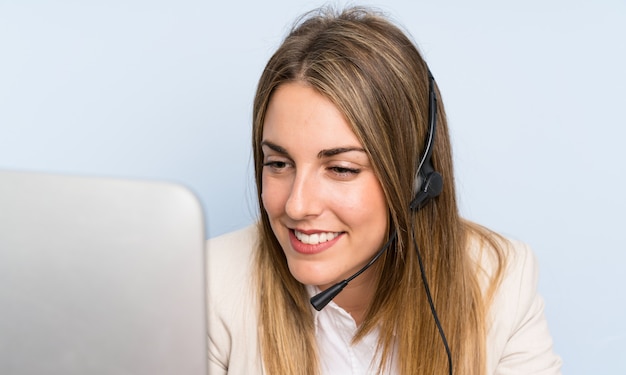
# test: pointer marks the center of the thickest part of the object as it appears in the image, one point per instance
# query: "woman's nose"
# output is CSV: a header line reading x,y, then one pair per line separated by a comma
x,y
305,198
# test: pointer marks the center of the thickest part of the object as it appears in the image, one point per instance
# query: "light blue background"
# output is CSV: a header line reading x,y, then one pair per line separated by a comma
x,y
534,91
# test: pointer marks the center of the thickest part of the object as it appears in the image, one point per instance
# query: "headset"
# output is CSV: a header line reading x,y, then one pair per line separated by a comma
x,y
428,184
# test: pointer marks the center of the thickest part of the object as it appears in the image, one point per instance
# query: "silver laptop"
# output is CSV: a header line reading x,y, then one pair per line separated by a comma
x,y
100,276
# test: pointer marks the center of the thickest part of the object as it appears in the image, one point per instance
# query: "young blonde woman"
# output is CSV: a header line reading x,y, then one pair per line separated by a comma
x,y
355,185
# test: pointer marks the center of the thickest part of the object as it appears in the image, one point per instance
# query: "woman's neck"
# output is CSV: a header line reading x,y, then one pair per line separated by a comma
x,y
356,297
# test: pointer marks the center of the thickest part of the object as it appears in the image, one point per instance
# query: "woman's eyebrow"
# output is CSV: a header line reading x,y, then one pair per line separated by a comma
x,y
338,150
275,147
322,154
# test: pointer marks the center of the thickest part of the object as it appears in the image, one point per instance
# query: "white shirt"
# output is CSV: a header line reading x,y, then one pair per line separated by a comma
x,y
334,330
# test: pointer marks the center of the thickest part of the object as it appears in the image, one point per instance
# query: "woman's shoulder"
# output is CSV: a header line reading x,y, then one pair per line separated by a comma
x,y
231,303
499,258
507,271
510,267
233,245
518,335
239,241
230,259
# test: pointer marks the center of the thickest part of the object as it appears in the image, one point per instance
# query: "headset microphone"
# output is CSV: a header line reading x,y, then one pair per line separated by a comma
x,y
320,300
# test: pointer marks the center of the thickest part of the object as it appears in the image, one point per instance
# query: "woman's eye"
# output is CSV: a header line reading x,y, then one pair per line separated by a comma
x,y
344,172
276,165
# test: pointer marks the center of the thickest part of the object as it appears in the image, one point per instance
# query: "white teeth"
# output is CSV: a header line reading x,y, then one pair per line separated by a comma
x,y
315,238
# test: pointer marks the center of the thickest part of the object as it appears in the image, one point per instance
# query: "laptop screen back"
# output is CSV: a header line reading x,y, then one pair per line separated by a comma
x,y
100,276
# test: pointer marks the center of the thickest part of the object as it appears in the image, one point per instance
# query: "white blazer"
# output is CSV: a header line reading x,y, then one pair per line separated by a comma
x,y
518,341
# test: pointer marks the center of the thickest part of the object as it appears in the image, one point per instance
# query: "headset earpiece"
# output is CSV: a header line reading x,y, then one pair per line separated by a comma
x,y
428,182
431,187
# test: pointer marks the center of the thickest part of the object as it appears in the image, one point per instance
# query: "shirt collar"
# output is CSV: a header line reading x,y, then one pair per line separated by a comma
x,y
331,310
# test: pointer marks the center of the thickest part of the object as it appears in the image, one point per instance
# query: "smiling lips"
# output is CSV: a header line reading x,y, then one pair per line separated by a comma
x,y
312,243
315,238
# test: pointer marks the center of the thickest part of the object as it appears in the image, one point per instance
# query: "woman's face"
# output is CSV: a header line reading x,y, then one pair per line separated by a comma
x,y
324,202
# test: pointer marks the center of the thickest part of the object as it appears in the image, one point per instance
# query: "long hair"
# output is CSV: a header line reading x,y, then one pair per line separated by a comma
x,y
376,77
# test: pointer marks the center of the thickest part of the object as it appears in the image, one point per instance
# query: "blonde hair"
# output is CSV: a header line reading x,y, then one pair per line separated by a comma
x,y
376,77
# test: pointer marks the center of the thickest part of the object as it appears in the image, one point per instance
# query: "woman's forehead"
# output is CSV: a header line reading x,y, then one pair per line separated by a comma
x,y
297,112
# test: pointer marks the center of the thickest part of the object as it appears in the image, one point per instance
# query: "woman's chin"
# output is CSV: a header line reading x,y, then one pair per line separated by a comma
x,y
313,277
